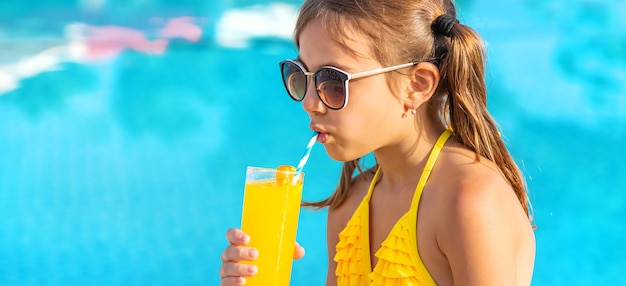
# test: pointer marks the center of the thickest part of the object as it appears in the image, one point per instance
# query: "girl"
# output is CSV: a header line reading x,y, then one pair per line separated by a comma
x,y
445,203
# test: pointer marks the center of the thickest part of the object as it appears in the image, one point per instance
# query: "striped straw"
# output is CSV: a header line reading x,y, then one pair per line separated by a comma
x,y
307,152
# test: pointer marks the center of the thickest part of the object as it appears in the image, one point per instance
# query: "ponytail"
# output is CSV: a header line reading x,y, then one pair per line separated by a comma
x,y
461,56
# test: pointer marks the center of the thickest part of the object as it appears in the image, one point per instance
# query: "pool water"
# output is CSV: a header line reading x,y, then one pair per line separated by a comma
x,y
127,126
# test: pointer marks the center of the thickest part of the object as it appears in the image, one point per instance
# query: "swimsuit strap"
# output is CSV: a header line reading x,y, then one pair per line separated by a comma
x,y
399,261
370,190
430,163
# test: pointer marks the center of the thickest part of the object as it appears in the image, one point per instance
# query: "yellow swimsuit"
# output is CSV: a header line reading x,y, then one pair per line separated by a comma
x,y
399,262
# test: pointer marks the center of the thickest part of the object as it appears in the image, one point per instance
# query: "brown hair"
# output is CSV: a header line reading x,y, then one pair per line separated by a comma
x,y
400,31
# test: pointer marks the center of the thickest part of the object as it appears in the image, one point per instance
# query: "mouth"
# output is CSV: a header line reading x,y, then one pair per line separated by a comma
x,y
322,136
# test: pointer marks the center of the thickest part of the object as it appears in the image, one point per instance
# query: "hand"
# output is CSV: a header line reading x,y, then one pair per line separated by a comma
x,y
234,273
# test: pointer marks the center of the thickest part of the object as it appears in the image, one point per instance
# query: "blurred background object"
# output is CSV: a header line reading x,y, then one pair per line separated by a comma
x,y
126,128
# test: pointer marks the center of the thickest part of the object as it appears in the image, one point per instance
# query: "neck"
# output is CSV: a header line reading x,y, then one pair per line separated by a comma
x,y
402,161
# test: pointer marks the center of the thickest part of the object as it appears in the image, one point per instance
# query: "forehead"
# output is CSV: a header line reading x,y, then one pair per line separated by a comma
x,y
318,48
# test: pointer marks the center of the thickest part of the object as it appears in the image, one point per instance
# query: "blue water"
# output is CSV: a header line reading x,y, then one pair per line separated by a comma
x,y
126,167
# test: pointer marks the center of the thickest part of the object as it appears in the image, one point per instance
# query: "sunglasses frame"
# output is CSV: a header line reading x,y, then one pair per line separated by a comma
x,y
348,77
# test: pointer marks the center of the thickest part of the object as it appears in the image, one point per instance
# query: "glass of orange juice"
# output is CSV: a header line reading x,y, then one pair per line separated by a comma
x,y
271,207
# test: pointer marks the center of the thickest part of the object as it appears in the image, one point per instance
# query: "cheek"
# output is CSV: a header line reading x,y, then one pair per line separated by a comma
x,y
356,136
375,94
366,122
376,113
348,137
374,106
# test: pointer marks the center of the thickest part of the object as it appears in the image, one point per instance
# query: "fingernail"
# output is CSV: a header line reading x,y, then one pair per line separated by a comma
x,y
252,269
253,253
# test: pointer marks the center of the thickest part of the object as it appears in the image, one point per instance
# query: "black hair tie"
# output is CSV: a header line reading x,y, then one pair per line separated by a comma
x,y
443,24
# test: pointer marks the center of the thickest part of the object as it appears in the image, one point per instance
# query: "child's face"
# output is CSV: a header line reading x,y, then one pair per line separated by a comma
x,y
373,117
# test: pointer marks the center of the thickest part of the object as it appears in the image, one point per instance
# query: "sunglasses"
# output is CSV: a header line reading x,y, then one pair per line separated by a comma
x,y
331,83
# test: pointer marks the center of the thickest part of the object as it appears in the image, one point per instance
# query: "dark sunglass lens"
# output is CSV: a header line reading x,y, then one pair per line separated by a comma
x,y
330,86
294,80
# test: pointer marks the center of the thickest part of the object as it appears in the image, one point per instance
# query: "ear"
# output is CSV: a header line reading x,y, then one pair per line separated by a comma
x,y
424,79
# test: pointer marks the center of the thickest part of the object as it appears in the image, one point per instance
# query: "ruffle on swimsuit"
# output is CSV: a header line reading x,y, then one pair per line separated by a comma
x,y
399,262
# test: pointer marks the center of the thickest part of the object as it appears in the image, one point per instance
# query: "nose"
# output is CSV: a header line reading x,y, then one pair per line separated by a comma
x,y
311,102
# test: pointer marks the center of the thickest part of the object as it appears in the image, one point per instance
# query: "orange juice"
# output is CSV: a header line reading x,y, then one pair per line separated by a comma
x,y
270,216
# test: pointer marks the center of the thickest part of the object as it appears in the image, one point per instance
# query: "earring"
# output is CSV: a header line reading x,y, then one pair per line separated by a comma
x,y
413,111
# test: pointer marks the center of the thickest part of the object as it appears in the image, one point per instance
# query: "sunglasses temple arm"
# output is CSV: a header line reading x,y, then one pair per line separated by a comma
x,y
382,70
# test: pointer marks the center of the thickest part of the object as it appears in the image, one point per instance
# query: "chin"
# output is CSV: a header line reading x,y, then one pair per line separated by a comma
x,y
340,155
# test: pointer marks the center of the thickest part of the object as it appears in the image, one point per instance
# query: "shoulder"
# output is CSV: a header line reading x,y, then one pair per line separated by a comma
x,y
481,224
475,190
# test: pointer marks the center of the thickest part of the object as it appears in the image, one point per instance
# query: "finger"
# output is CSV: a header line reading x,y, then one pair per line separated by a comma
x,y
238,253
233,281
298,252
231,269
237,236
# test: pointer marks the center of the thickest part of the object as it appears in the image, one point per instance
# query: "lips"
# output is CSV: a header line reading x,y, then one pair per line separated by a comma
x,y
322,136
